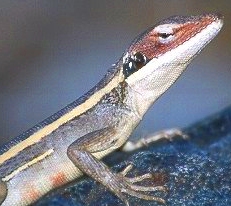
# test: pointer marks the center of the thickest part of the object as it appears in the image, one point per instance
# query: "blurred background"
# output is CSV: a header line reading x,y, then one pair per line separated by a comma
x,y
51,52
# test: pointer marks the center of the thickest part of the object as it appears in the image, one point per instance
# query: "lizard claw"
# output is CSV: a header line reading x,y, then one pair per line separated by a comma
x,y
123,184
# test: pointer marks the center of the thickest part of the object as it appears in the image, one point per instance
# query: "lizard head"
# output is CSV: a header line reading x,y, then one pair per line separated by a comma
x,y
157,57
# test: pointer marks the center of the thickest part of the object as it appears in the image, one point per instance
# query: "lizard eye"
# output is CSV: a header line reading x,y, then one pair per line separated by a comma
x,y
165,37
133,63
165,33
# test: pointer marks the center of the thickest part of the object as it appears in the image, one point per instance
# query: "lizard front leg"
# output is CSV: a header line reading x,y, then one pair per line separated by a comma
x,y
82,153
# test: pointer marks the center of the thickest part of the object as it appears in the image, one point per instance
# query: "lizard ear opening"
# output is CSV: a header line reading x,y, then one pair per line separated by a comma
x,y
133,63
140,60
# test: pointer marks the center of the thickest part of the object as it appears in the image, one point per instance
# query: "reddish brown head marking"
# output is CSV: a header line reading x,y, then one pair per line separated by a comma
x,y
170,33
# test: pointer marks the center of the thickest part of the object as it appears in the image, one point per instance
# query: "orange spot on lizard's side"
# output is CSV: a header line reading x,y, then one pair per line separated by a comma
x,y
58,179
34,194
31,194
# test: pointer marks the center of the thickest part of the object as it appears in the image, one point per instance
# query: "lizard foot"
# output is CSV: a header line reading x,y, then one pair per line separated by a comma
x,y
123,184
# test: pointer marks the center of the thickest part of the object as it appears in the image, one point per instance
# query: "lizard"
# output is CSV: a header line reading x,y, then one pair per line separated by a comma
x,y
73,141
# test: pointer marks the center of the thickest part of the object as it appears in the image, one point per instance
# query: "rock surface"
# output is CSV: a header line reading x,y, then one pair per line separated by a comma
x,y
196,171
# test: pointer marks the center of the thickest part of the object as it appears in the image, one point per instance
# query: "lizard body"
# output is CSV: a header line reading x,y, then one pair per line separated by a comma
x,y
71,142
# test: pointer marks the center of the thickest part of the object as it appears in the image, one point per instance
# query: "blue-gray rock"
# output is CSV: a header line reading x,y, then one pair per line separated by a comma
x,y
196,171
